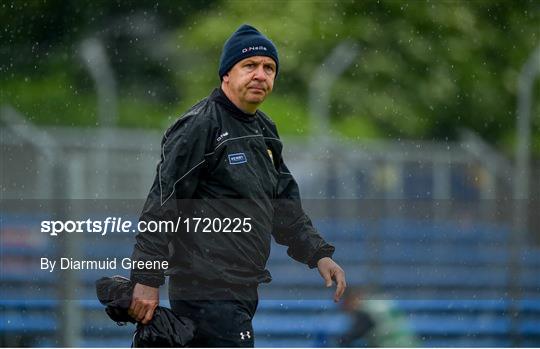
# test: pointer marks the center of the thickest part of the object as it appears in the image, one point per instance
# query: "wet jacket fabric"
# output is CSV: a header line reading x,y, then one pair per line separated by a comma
x,y
218,162
166,329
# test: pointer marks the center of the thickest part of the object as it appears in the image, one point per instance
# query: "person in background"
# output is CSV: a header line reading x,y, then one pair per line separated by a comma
x,y
376,322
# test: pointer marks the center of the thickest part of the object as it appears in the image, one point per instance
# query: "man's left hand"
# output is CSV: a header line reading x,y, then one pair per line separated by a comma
x,y
329,271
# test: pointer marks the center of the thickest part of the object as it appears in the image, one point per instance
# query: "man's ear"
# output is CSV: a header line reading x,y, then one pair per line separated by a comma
x,y
226,77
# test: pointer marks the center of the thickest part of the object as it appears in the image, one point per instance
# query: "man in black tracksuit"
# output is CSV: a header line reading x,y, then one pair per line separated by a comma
x,y
221,166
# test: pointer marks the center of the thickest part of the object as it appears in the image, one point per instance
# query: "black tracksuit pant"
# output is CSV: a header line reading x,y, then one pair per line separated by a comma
x,y
222,314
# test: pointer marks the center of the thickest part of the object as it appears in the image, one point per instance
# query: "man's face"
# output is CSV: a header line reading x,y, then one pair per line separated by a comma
x,y
250,81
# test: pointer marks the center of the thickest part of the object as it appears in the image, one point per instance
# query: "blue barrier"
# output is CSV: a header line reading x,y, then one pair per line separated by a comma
x,y
409,254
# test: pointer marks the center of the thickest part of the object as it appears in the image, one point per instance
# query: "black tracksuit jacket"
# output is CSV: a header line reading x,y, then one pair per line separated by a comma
x,y
217,162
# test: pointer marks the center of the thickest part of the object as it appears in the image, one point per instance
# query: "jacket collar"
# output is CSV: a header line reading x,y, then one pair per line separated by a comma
x,y
219,96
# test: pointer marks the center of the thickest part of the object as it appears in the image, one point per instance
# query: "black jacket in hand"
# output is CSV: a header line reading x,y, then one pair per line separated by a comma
x,y
166,329
218,162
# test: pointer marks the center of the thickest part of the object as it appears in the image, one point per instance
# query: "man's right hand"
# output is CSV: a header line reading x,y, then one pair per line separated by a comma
x,y
145,300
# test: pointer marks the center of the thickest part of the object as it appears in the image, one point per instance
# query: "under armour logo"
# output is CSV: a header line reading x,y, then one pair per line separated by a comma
x,y
243,335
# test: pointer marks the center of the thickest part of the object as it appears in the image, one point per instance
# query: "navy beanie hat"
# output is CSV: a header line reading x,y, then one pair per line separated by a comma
x,y
245,42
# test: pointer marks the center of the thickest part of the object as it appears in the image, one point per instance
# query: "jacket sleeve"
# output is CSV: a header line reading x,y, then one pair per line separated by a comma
x,y
182,160
292,227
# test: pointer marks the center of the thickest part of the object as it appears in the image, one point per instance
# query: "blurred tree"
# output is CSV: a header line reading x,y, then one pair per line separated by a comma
x,y
40,65
425,70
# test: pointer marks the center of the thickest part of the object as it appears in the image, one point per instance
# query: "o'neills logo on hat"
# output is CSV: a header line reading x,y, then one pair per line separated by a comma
x,y
254,48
